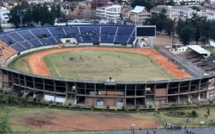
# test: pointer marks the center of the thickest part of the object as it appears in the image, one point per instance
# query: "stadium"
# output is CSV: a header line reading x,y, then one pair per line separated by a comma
x,y
95,65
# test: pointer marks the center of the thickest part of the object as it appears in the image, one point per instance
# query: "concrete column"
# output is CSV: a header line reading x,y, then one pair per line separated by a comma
x,y
199,87
151,42
18,78
179,85
138,44
85,88
179,101
145,93
66,87
33,82
135,103
44,84
207,94
189,86
199,97
167,88
54,90
75,102
188,98
25,81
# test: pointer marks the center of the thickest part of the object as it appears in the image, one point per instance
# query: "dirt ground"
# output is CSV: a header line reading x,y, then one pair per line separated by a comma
x,y
87,121
38,66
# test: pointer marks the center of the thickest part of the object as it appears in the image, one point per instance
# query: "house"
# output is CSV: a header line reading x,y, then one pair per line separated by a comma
x,y
187,2
138,14
4,15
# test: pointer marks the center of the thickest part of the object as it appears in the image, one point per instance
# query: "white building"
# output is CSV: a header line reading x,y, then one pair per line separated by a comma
x,y
138,14
187,2
179,12
175,12
4,15
111,13
40,1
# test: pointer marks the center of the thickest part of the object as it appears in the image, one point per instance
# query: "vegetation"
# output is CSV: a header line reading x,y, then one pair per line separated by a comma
x,y
145,3
195,28
194,113
195,8
107,107
208,111
24,15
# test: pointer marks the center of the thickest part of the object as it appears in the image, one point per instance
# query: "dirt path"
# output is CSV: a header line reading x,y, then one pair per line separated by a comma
x,y
38,66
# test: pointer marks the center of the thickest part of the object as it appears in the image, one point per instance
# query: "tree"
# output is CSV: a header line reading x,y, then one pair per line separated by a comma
x,y
196,21
180,25
17,14
1,98
208,111
204,30
14,17
161,22
211,101
195,8
24,14
169,26
194,114
107,107
170,3
1,29
144,3
27,19
186,34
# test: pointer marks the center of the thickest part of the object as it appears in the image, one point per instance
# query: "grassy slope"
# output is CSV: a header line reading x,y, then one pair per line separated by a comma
x,y
129,66
201,112
21,66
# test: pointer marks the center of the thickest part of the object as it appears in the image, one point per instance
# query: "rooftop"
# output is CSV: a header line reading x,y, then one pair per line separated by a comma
x,y
199,49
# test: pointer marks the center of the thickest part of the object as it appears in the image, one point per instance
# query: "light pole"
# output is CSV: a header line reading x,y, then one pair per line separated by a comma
x,y
132,127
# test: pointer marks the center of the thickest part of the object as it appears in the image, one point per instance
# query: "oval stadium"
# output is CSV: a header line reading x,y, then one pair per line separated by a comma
x,y
99,65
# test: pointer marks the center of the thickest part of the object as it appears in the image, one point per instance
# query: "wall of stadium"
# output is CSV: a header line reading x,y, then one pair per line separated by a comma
x,y
103,93
29,51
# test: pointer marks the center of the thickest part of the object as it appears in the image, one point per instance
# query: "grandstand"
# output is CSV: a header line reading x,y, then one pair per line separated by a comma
x,y
201,58
24,39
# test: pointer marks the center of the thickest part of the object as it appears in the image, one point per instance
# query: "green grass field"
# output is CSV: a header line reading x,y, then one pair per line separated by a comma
x,y
121,66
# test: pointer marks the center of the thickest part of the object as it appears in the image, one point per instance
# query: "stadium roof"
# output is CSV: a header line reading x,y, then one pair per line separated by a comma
x,y
199,49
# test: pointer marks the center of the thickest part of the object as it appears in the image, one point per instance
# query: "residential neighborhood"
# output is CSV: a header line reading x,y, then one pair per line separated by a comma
x,y
116,11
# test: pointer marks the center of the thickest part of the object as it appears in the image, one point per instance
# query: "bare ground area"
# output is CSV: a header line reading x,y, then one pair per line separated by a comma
x,y
84,121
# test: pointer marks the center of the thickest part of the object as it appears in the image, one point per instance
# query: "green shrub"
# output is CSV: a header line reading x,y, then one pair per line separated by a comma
x,y
107,107
194,113
183,113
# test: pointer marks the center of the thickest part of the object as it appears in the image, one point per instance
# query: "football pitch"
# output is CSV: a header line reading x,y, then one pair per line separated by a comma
x,y
102,64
